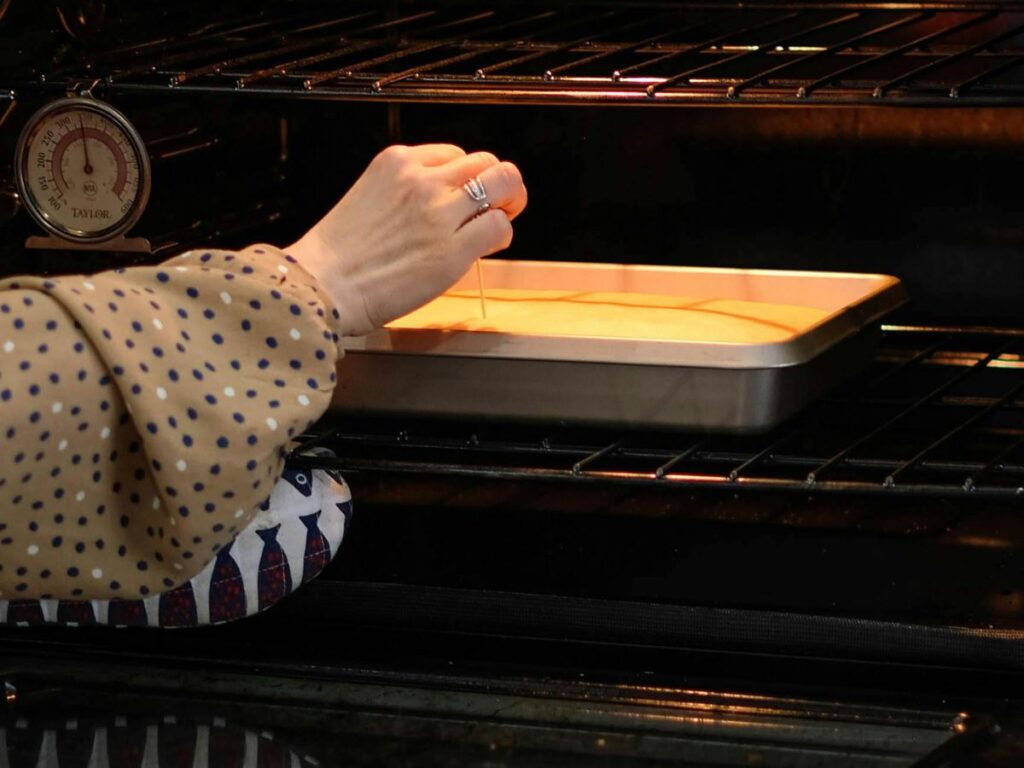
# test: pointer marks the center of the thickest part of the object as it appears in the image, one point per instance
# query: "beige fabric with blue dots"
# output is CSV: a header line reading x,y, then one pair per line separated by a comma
x,y
144,414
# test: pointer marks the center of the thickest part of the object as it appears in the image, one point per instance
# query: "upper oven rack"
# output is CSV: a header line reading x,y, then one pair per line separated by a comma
x,y
940,413
669,54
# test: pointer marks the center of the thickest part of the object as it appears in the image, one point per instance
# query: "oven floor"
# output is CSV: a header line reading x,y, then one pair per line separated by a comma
x,y
217,698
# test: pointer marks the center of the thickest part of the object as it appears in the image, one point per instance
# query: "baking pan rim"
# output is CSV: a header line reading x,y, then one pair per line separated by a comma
x,y
886,295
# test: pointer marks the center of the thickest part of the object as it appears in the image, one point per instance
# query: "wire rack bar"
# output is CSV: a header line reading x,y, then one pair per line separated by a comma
x,y
861,397
308,61
586,40
631,71
912,376
459,57
961,88
918,357
663,469
290,49
757,458
347,71
5,111
972,480
682,77
838,457
974,50
832,50
222,44
346,48
595,456
952,54
914,45
917,458
211,33
622,48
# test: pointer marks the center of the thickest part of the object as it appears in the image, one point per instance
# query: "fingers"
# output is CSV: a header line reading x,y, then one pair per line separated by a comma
x,y
436,154
459,171
444,169
429,155
505,190
486,234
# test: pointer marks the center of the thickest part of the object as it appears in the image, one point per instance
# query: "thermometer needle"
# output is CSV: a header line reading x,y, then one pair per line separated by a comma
x,y
85,148
480,282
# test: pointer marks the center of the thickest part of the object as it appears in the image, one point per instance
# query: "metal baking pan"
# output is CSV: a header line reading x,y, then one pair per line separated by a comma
x,y
624,382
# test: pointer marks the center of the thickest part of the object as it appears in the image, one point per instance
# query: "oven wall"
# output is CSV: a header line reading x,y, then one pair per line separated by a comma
x,y
929,195
932,196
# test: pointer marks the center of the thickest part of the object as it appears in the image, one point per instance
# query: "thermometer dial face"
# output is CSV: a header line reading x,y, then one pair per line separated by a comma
x,y
82,170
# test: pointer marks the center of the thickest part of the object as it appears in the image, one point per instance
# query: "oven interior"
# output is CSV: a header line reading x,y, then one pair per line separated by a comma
x,y
884,522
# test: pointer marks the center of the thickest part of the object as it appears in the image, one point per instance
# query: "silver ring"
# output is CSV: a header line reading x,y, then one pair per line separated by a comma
x,y
475,189
483,208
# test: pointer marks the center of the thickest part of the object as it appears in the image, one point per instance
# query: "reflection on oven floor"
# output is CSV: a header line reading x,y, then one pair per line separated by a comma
x,y
164,742
289,723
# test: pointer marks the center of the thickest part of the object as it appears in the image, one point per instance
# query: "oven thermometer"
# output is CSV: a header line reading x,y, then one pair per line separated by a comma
x,y
83,174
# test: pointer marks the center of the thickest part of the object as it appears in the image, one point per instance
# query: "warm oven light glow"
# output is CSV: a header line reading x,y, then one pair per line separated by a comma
x,y
607,314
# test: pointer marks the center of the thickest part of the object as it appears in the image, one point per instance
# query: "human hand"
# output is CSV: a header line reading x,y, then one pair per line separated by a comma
x,y
407,230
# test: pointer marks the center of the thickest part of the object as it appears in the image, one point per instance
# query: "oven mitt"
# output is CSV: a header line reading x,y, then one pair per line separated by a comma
x,y
289,542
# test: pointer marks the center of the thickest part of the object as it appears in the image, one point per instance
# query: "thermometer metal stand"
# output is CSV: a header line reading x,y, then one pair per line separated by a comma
x,y
118,244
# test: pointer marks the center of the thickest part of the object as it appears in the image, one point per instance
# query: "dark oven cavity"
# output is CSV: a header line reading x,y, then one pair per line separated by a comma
x,y
840,136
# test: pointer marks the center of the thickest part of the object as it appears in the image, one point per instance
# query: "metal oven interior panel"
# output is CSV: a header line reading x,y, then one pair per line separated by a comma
x,y
866,549
884,183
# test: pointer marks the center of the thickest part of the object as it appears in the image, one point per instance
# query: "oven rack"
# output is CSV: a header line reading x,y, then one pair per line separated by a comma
x,y
940,412
668,54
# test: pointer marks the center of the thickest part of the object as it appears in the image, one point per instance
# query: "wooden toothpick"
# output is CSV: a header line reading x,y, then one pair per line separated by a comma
x,y
480,281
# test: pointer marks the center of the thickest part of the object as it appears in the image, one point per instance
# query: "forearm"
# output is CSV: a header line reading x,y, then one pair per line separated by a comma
x,y
145,412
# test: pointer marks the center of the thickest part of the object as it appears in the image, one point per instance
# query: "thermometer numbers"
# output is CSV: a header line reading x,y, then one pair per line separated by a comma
x,y
82,170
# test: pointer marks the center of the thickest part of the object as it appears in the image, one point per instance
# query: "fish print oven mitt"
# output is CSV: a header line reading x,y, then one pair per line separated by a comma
x,y
291,540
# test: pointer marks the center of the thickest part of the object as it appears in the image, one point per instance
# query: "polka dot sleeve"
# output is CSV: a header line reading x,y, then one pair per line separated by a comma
x,y
144,414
